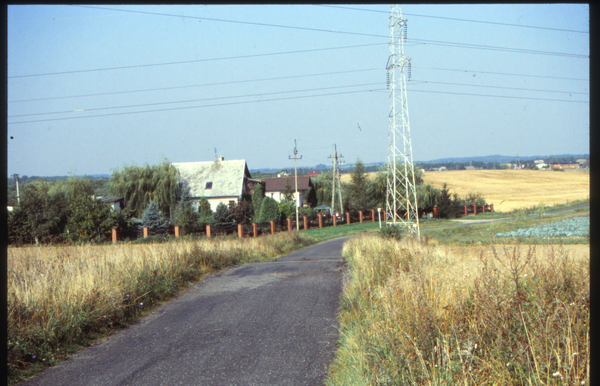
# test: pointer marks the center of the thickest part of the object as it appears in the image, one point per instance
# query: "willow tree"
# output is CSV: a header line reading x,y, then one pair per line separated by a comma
x,y
140,185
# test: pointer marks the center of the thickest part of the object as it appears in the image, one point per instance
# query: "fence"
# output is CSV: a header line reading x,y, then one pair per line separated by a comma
x,y
305,222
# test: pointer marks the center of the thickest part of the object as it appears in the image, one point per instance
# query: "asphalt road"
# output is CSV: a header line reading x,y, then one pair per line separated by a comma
x,y
271,323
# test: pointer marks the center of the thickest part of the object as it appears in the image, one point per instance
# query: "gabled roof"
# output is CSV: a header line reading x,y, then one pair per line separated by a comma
x,y
278,184
226,177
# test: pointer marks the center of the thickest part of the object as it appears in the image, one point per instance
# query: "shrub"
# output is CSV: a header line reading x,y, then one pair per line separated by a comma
x,y
269,210
391,232
153,219
222,214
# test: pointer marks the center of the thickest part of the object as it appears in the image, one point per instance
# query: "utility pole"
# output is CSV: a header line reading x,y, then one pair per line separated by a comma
x,y
336,181
16,176
296,174
401,200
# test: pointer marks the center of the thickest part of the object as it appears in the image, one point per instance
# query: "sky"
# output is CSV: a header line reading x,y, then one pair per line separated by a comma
x,y
94,88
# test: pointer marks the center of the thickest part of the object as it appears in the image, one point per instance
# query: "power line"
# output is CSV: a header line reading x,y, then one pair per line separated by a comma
x,y
499,87
196,61
501,73
457,19
499,96
194,107
191,100
234,21
196,85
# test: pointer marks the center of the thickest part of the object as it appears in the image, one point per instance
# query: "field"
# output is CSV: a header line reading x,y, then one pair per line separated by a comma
x,y
513,189
488,315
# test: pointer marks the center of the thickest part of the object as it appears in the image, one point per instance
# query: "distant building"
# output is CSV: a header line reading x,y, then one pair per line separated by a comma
x,y
470,167
440,169
538,161
115,202
565,166
583,162
313,173
275,187
541,165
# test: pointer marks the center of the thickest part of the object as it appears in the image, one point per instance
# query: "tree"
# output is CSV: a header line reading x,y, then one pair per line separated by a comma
x,y
139,185
46,213
269,210
358,195
90,219
222,214
287,209
205,213
288,193
19,231
153,219
428,196
184,215
447,207
242,212
257,198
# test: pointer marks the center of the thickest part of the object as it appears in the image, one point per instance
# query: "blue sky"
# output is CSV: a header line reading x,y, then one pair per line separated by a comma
x,y
95,88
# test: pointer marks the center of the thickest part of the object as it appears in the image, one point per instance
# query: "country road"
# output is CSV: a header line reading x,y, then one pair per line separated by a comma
x,y
270,323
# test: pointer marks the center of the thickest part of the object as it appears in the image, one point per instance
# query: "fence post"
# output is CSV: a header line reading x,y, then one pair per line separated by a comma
x,y
177,231
114,235
334,220
272,223
384,215
435,212
145,231
372,214
360,216
483,208
320,220
305,220
491,207
289,224
240,230
208,231
474,208
254,229
347,217
466,210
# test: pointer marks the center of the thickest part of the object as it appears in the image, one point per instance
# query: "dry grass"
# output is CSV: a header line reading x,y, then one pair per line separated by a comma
x,y
59,297
419,314
513,189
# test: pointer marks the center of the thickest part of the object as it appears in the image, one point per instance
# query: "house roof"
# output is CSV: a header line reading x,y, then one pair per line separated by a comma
x,y
278,184
214,179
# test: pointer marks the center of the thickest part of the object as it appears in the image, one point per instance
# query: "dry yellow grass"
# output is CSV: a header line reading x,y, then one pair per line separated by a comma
x,y
512,189
425,314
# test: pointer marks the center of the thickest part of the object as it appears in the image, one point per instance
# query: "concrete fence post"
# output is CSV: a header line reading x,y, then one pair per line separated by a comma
x,y
289,224
436,214
320,220
491,207
466,210
483,208
254,229
372,214
177,231
272,223
305,220
347,217
114,235
145,232
240,230
474,208
334,218
208,233
360,216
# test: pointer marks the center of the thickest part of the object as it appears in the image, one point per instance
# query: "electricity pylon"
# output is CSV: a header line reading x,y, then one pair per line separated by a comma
x,y
336,187
401,200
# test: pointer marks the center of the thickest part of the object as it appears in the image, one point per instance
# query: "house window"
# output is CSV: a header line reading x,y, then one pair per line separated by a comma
x,y
208,185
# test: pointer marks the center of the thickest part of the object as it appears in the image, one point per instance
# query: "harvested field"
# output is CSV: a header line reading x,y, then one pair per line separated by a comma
x,y
512,189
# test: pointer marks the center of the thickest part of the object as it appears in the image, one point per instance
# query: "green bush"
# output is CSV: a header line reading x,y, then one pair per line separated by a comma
x,y
391,232
269,210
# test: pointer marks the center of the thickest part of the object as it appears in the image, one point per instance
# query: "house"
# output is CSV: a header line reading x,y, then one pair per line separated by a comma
x,y
583,162
115,202
218,181
313,173
275,187
565,166
541,165
538,161
440,169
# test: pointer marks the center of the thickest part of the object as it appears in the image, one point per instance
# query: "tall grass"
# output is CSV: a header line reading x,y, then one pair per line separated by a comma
x,y
60,297
417,314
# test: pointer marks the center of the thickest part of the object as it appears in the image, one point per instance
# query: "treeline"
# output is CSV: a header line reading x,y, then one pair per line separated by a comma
x,y
67,210
99,185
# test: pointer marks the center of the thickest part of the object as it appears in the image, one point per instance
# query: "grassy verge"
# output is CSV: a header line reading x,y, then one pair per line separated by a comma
x,y
491,315
62,299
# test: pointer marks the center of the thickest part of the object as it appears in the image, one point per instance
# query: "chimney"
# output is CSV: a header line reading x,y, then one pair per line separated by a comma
x,y
221,158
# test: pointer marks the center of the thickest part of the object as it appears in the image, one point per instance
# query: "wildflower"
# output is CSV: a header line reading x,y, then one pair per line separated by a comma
x,y
557,374
33,357
141,304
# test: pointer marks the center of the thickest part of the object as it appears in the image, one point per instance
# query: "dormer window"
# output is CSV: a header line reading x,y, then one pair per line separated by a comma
x,y
208,185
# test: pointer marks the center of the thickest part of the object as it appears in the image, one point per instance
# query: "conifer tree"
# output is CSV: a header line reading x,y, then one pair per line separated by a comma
x,y
154,220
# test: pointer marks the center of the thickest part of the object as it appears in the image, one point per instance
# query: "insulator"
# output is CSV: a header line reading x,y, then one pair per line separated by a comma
x,y
409,70
388,80
405,31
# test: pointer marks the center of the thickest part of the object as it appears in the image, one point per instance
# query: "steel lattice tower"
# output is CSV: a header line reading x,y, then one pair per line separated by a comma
x,y
401,200
336,191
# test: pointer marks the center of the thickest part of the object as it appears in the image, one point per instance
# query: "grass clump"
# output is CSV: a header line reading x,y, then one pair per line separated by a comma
x,y
59,299
413,314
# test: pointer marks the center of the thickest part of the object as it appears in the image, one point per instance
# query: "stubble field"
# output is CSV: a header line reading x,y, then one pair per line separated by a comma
x,y
513,189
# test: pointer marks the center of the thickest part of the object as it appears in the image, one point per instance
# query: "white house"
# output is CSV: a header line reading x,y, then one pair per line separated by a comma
x,y
275,187
217,181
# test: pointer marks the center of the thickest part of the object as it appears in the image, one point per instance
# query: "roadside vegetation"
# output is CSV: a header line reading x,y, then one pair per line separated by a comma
x,y
60,299
425,314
